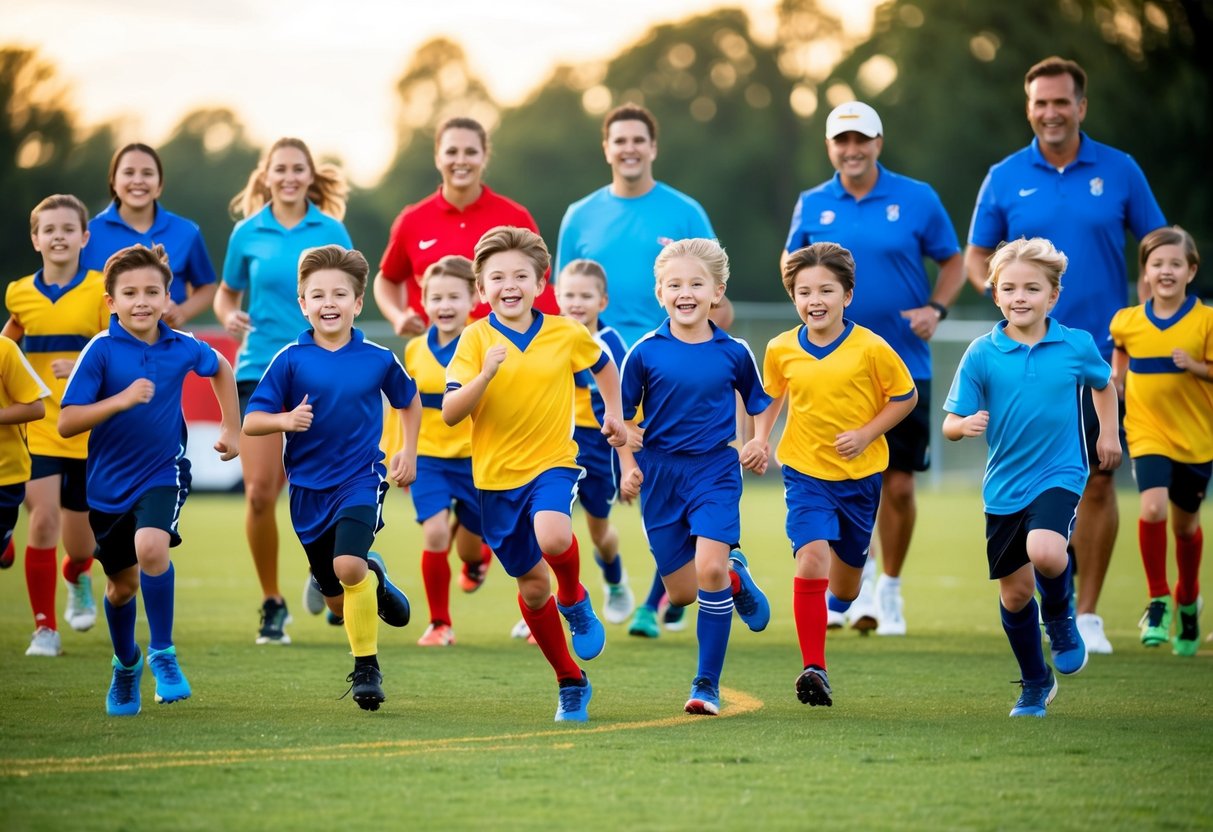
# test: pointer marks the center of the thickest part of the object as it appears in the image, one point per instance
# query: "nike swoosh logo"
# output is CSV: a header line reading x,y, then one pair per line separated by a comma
x,y
1027,191
424,244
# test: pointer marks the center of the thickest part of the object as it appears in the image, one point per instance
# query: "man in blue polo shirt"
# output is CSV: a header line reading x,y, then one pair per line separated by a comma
x,y
891,224
1081,195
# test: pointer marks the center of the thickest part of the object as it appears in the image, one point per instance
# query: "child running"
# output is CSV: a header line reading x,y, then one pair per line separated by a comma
x,y
684,374
1164,349
325,392
847,388
21,395
126,389
513,374
53,313
444,454
1021,385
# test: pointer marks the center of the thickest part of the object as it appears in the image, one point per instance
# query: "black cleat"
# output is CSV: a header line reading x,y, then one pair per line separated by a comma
x,y
366,684
813,688
394,607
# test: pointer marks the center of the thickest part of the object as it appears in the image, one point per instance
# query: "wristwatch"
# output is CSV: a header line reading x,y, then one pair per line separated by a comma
x,y
938,307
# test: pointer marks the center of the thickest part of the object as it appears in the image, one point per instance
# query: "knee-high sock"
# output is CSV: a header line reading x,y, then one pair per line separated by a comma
x,y
121,622
362,616
567,568
712,627
436,575
809,608
1187,553
72,570
1152,538
1055,593
834,603
1023,631
158,594
612,572
548,631
656,592
40,578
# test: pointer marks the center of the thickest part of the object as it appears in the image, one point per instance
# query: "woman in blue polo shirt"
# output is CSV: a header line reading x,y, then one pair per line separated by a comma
x,y
135,216
288,205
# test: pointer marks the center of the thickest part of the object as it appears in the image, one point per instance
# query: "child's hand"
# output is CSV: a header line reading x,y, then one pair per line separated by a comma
x,y
172,316
1184,360
62,367
403,469
1107,448
614,431
629,484
635,438
755,456
299,419
851,443
976,424
238,323
139,392
228,445
492,360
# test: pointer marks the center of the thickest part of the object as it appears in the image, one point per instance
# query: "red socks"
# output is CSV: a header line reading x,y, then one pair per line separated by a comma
x,y
809,607
548,630
436,575
41,573
72,570
567,567
1152,537
1187,553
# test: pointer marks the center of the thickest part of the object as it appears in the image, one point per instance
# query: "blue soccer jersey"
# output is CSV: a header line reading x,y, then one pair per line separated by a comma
x,y
137,449
1034,398
345,388
888,232
588,405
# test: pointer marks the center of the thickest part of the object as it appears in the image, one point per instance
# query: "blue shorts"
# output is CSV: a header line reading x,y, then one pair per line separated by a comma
x,y
73,494
687,496
598,487
442,483
156,508
841,512
1007,534
1186,482
313,511
508,517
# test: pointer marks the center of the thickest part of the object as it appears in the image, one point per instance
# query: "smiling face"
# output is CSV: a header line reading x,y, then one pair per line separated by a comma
x,y
330,303
509,285
854,155
288,176
59,236
630,151
448,302
139,299
1056,112
688,292
137,180
460,158
581,298
1167,273
820,298
1025,295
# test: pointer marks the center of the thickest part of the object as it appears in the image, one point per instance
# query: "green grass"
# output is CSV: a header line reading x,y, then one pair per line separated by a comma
x,y
918,738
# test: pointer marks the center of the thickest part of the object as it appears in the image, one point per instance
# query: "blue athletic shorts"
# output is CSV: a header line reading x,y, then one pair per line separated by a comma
x,y
687,496
598,487
156,508
442,483
1186,482
841,512
508,517
1007,534
313,511
73,494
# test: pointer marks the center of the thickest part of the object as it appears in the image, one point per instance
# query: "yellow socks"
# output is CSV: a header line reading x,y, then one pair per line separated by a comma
x,y
362,616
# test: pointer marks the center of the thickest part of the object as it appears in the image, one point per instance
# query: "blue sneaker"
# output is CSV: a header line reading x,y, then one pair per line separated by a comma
x,y
751,603
394,607
589,638
574,701
813,687
123,696
171,684
1066,645
705,698
1035,698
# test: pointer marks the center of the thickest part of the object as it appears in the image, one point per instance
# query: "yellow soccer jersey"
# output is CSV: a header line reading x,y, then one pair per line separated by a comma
x,y
426,362
19,384
830,390
523,424
1168,411
58,322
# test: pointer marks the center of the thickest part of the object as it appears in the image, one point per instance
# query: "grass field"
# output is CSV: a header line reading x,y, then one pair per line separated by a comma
x,y
918,738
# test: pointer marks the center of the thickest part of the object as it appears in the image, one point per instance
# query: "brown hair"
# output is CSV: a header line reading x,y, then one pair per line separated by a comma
x,y
135,257
630,112
347,260
133,147
453,265
1172,236
328,189
830,256
1054,66
462,123
58,201
1037,252
510,238
589,268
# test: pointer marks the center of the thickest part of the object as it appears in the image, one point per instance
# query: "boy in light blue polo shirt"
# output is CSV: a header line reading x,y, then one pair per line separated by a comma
x,y
1021,386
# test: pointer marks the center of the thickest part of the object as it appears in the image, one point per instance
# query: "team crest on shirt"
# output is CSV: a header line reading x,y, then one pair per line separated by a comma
x,y
826,217
893,212
1096,186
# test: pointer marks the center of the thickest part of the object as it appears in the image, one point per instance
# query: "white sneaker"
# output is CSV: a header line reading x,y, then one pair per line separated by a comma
x,y
1090,627
620,601
81,612
45,643
521,630
313,598
890,604
835,620
863,615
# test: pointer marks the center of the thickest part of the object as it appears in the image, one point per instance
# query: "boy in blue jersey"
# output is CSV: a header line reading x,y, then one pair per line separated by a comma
x,y
126,389
1021,385
513,374
325,391
688,477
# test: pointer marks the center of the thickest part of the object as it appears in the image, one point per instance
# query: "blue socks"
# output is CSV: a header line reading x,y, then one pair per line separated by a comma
x,y
656,592
121,622
612,572
158,605
712,627
836,604
1023,631
1055,593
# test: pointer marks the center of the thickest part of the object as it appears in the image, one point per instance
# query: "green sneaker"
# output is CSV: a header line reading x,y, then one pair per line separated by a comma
x,y
1187,640
644,623
1156,621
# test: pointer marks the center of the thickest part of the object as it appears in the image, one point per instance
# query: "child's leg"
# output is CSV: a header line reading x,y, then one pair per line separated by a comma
x,y
809,601
539,612
1020,621
1152,538
121,612
1047,553
1189,541
606,547
554,532
78,543
435,567
42,504
158,585
261,462
715,596
361,607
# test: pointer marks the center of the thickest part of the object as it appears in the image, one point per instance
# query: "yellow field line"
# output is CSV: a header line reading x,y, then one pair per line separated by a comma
x,y
738,704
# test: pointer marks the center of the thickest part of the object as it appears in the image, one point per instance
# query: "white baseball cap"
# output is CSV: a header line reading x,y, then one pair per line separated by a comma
x,y
853,116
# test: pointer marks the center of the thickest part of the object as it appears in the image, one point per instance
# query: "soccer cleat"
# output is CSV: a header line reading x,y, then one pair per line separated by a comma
x,y
890,618
862,615
574,700
705,698
393,604
313,598
1156,622
45,642
1187,638
366,684
589,638
620,601
273,623
1066,645
334,619
8,555
750,602
813,687
1034,699
673,618
81,612
471,576
521,630
835,620
171,684
644,623
123,696
437,635
1090,626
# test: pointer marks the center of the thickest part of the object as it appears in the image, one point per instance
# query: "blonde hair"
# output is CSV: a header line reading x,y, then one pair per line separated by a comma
x,y
346,260
135,257
1037,252
328,189
1172,236
589,268
453,265
830,256
708,252
58,201
510,238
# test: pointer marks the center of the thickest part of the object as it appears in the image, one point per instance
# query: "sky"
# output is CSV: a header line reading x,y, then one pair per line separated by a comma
x,y
320,70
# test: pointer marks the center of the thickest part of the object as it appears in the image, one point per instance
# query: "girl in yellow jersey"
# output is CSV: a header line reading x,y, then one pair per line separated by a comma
x,y
21,395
